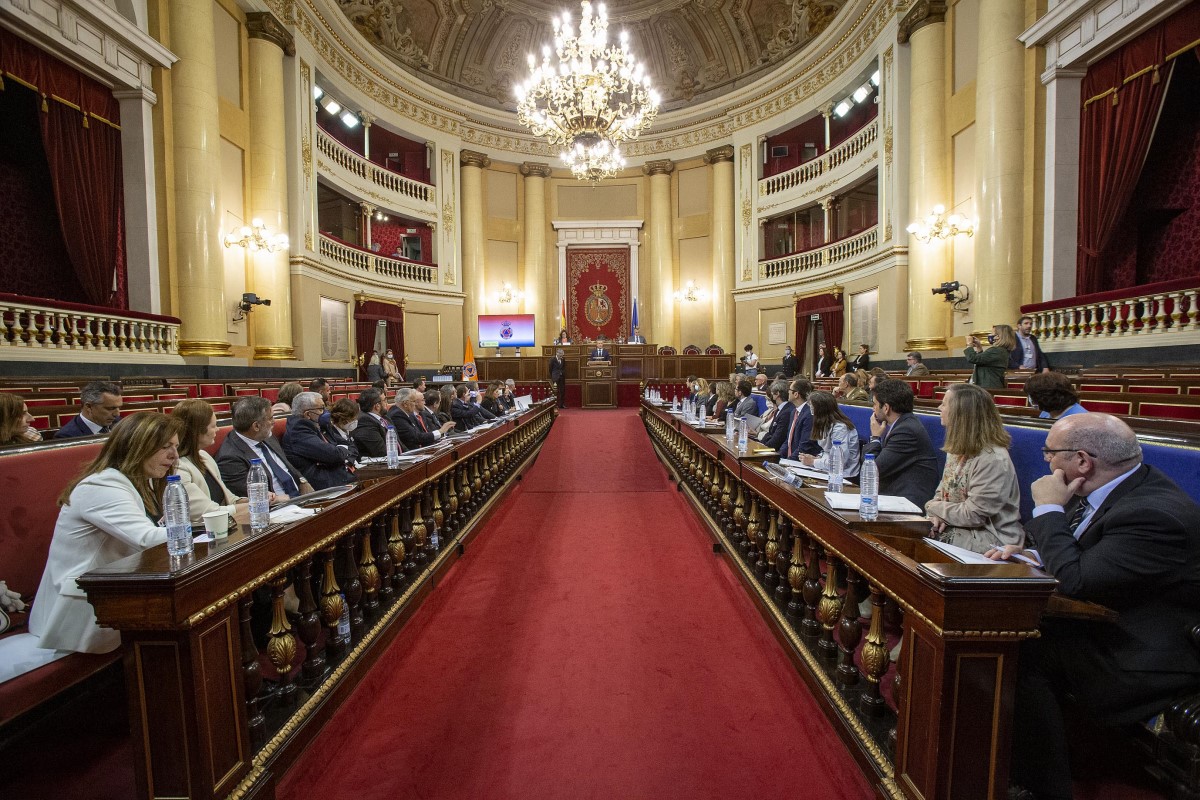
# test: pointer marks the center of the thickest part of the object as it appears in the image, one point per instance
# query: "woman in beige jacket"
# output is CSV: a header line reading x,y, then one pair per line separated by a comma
x,y
197,469
977,504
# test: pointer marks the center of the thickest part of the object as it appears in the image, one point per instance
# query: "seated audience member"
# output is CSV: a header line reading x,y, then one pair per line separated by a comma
x,y
1121,533
371,433
747,406
16,423
705,396
760,382
449,394
831,425
768,418
433,410
916,365
343,422
562,337
110,511
411,426
287,393
419,385
198,470
799,438
321,387
726,399
100,406
475,398
465,415
864,379
849,390
251,438
1053,394
776,436
491,399
319,460
510,394
374,368
977,504
903,452
382,386
876,374
991,363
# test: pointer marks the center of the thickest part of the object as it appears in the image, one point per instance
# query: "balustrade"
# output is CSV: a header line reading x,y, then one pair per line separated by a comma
x,y
844,153
1142,313
47,326
366,261
810,261
368,170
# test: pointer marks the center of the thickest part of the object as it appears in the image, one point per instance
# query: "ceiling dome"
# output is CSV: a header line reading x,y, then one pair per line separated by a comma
x,y
693,50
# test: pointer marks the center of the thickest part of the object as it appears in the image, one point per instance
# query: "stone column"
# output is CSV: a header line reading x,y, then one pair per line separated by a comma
x,y
367,119
270,273
720,160
365,222
924,28
141,204
471,180
1060,249
196,143
541,282
660,328
827,204
999,164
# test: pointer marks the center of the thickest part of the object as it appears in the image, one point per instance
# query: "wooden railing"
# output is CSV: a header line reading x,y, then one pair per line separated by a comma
x,y
811,170
212,715
837,252
395,268
1144,312
351,161
46,325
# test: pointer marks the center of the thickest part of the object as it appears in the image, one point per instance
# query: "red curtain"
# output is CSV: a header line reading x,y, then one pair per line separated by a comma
x,y
598,292
78,123
1122,97
367,314
829,308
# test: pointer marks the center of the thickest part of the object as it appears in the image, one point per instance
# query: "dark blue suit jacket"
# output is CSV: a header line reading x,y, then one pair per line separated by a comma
x,y
76,427
777,436
801,440
320,461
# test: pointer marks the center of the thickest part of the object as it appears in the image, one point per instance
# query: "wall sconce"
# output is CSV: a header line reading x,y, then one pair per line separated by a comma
x,y
257,237
938,226
691,293
507,294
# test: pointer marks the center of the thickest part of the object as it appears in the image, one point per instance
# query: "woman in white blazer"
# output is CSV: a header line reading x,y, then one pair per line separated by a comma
x,y
111,511
197,469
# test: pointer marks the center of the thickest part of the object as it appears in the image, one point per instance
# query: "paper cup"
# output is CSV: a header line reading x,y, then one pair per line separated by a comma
x,y
217,523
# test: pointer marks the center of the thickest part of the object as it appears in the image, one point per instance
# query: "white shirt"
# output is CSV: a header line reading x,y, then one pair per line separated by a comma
x,y
1094,501
1028,354
92,426
254,445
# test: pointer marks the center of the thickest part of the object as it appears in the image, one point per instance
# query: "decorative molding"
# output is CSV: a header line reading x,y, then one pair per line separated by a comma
x,y
266,26
927,343
719,155
532,169
922,13
664,166
1077,32
470,158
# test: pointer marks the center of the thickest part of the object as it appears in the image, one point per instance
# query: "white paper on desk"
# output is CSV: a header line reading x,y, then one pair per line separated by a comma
x,y
291,514
892,504
960,553
798,468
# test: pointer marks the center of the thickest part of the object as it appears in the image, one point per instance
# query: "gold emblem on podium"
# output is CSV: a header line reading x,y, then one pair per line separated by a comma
x,y
598,309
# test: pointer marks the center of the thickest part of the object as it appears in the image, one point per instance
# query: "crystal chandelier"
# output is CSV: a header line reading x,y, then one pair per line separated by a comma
x,y
594,98
938,226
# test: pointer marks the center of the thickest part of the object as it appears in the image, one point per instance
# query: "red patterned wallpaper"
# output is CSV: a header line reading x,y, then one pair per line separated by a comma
x,y
388,235
598,292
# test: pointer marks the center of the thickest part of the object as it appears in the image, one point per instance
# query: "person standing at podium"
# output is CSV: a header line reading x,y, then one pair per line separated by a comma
x,y
600,352
637,337
558,376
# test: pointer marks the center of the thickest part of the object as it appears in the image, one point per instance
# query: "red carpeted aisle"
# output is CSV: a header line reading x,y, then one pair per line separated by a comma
x,y
589,644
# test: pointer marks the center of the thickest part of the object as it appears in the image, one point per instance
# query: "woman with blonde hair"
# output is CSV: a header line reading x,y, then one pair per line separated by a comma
x,y
16,423
726,399
287,393
197,469
705,396
991,363
110,511
977,504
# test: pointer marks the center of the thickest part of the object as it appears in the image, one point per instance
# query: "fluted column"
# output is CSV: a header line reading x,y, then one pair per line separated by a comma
x,y
367,211
660,327
541,282
999,163
471,180
270,273
720,159
924,29
196,143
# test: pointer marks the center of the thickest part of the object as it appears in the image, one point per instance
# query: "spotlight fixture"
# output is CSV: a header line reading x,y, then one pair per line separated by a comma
x,y
350,119
317,92
842,109
861,93
330,105
875,77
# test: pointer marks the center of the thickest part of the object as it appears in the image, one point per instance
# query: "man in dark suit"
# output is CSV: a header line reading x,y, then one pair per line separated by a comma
x,y
791,364
411,428
465,415
777,436
1117,532
100,406
251,438
798,439
558,376
600,352
904,454
637,337
319,460
1028,353
371,433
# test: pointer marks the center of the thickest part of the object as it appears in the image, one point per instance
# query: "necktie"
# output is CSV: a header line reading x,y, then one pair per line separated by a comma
x,y
283,480
1077,516
106,428
421,422
791,430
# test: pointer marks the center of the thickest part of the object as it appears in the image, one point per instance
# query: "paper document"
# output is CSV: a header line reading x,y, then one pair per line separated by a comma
x,y
893,504
291,514
798,468
960,553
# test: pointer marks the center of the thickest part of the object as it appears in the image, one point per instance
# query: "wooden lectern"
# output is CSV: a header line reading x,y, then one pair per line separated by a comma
x,y
599,381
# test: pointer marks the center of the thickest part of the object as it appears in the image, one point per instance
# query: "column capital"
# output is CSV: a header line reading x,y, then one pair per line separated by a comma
x,y
719,155
922,13
143,94
366,207
266,26
534,169
470,158
1052,74
366,118
827,110
663,166
828,202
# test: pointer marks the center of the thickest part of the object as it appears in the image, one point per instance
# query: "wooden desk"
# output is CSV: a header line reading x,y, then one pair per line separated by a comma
x,y
808,567
598,385
205,723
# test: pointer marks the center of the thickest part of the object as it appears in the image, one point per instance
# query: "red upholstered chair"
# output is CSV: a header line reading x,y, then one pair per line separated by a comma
x,y
212,390
666,350
1009,400
271,394
1147,389
1107,406
45,400
1169,410
926,388
1098,387
247,392
691,350
190,388
1193,390
714,350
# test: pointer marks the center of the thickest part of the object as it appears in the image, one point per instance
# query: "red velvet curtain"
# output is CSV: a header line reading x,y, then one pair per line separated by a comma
x,y
78,123
829,308
367,314
1122,97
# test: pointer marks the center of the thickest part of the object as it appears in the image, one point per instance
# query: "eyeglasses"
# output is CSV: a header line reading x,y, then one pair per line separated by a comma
x,y
1048,453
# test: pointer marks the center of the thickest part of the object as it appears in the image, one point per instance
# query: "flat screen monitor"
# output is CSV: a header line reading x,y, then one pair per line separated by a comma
x,y
506,330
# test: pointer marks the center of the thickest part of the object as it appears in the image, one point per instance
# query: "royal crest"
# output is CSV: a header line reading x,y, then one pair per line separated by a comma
x,y
506,331
598,309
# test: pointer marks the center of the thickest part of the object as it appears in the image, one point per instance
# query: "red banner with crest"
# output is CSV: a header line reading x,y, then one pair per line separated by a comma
x,y
597,292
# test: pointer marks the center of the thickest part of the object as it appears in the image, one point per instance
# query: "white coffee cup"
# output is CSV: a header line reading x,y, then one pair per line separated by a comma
x,y
217,523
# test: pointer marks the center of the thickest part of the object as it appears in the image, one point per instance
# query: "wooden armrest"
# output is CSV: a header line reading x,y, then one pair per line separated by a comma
x,y
1069,608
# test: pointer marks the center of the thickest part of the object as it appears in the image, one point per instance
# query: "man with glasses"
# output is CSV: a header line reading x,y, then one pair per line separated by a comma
x,y
1118,532
100,406
319,460
251,438
904,454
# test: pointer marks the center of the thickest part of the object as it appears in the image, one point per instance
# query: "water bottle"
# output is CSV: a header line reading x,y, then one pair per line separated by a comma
x,y
743,434
729,429
868,481
344,619
833,462
393,448
675,403
179,524
260,499
435,541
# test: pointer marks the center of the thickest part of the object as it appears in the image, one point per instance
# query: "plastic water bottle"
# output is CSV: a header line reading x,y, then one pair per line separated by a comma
x,y
729,429
868,481
435,541
743,434
260,498
833,461
675,403
344,619
393,448
179,523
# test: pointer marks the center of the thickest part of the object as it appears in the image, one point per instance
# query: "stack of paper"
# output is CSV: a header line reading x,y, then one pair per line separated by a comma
x,y
892,504
798,468
291,514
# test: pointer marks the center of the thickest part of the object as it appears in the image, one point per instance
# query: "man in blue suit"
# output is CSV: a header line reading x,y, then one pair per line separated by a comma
x,y
600,353
777,436
798,439
100,406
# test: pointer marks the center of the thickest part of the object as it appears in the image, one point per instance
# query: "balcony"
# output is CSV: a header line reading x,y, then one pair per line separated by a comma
x,y
372,173
846,158
359,260
811,262
1154,315
32,328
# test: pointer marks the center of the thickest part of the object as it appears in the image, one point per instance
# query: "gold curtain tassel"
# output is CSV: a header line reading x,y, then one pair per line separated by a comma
x,y
1115,97
45,105
1154,78
85,120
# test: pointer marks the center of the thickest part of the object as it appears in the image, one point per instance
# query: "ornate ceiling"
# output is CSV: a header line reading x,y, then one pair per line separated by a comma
x,y
694,50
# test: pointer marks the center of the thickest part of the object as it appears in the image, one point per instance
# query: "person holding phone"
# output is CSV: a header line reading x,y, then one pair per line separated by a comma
x,y
990,363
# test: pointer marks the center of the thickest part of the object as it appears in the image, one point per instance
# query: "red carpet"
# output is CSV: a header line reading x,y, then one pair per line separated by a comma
x,y
588,645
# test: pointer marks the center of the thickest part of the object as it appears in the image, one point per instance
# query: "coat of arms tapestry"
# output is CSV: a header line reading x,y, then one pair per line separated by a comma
x,y
597,292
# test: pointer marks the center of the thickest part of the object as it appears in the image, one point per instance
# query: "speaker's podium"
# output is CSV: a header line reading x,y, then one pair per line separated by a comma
x,y
599,385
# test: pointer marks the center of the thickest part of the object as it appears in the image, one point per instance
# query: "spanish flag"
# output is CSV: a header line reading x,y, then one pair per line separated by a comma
x,y
469,372
562,316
